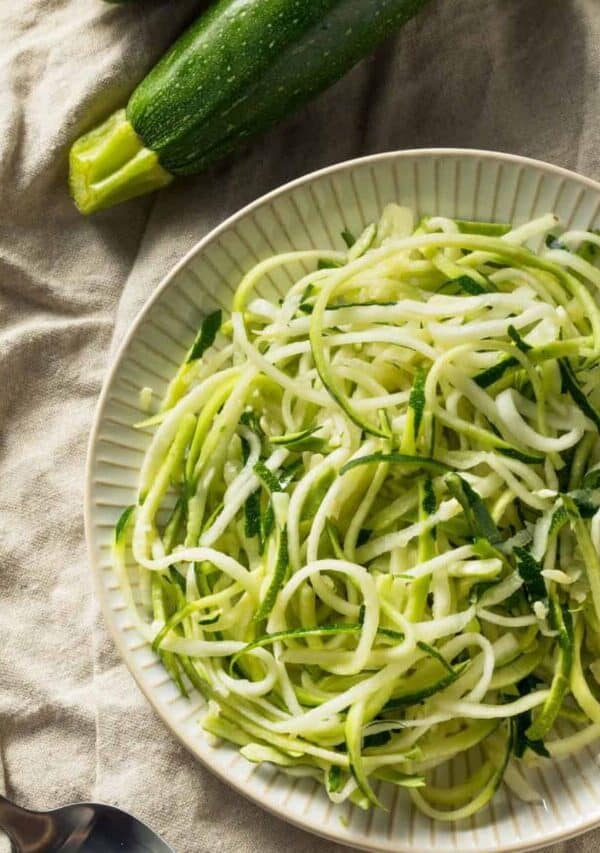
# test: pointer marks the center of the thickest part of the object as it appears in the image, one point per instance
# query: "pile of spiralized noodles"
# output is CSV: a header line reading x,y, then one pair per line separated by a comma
x,y
368,524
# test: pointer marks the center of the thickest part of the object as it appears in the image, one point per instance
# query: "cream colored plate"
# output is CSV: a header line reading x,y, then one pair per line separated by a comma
x,y
310,213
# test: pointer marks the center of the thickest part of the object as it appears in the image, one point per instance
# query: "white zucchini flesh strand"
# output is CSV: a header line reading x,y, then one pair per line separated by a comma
x,y
480,711
365,583
236,498
528,436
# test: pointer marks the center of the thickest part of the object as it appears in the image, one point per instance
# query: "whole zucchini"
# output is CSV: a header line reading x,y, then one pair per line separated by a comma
x,y
242,66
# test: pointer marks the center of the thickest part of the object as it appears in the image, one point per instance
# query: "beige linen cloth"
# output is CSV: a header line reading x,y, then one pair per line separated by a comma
x,y
513,75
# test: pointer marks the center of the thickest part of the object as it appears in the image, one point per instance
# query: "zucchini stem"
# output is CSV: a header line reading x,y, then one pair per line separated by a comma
x,y
110,164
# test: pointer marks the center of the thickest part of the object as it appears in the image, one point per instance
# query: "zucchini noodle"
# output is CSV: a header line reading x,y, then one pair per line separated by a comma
x,y
368,520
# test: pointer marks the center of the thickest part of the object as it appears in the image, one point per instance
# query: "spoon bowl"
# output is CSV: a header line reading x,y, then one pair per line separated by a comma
x,y
89,827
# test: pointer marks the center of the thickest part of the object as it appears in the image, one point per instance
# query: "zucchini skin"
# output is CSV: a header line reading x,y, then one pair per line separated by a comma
x,y
245,64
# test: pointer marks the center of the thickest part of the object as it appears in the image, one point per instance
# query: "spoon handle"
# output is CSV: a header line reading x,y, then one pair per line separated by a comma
x,y
30,832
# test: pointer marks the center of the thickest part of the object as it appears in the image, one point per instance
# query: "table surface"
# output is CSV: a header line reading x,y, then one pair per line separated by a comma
x,y
512,75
